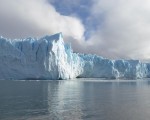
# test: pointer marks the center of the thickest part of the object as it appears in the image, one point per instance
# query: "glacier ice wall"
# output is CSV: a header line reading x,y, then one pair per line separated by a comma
x,y
50,58
99,67
44,58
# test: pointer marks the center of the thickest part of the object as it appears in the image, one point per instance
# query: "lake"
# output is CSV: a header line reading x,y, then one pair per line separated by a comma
x,y
78,99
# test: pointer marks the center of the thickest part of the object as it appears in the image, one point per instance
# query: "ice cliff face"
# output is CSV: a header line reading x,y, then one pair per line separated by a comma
x,y
50,58
45,58
99,67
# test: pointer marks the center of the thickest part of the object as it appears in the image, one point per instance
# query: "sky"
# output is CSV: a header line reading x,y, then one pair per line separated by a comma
x,y
116,29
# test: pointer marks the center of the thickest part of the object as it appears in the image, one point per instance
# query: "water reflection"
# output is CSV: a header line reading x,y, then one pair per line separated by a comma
x,y
74,100
40,100
64,100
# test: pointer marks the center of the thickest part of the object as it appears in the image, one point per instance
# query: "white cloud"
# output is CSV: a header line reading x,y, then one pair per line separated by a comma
x,y
123,26
23,18
123,29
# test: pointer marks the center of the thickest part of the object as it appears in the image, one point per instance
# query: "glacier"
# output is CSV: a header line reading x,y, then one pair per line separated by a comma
x,y
50,58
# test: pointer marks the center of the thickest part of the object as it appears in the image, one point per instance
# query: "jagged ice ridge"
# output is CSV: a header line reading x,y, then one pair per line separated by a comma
x,y
50,58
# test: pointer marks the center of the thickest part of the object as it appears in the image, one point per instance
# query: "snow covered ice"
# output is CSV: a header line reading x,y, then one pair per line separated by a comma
x,y
50,58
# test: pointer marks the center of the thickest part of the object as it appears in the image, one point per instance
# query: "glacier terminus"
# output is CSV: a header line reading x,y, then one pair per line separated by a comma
x,y
50,58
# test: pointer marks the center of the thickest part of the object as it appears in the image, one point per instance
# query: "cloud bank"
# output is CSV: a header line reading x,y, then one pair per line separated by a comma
x,y
23,18
123,29
117,28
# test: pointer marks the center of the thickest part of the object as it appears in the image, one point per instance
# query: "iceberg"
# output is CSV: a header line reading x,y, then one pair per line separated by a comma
x,y
51,59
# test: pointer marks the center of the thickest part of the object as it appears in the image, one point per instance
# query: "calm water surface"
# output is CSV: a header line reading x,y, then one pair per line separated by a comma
x,y
75,100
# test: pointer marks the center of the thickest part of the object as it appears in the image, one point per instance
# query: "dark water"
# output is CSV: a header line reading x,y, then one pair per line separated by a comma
x,y
75,100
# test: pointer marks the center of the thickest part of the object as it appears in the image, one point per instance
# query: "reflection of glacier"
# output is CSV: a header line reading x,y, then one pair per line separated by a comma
x,y
63,100
50,58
